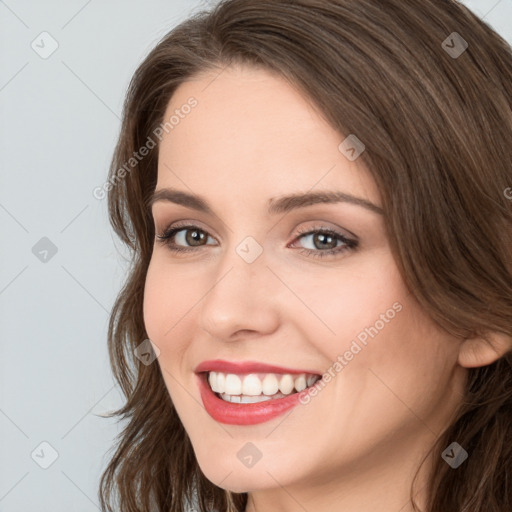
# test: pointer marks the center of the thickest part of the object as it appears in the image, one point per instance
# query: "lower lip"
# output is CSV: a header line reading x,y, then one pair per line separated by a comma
x,y
243,414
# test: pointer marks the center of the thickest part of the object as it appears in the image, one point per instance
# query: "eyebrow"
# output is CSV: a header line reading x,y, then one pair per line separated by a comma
x,y
276,205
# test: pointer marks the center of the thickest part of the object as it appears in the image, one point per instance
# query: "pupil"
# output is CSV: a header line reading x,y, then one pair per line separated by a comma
x,y
195,237
325,239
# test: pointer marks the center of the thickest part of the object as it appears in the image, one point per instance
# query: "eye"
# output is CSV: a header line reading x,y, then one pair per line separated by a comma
x,y
322,241
325,242
184,234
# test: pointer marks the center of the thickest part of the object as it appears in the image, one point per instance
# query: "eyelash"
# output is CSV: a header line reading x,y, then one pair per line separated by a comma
x,y
168,234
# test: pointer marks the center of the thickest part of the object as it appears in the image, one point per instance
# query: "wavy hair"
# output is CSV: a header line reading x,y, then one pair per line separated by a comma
x,y
437,128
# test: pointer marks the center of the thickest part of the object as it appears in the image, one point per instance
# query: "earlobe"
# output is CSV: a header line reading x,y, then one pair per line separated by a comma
x,y
480,351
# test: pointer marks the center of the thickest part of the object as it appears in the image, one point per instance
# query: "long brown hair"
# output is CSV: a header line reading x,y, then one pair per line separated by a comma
x,y
437,127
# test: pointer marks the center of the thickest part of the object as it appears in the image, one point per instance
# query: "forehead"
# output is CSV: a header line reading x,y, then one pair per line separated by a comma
x,y
251,128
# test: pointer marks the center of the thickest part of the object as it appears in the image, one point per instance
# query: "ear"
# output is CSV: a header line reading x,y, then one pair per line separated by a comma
x,y
482,351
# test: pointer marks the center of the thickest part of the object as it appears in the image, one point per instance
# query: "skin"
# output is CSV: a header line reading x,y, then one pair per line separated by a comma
x,y
356,445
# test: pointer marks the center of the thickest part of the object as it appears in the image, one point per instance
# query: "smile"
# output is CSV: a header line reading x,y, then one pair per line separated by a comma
x,y
250,393
258,387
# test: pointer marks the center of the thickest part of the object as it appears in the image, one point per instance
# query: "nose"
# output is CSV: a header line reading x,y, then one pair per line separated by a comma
x,y
240,301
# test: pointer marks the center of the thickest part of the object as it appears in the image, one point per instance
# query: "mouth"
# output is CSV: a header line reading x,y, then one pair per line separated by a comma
x,y
258,387
250,393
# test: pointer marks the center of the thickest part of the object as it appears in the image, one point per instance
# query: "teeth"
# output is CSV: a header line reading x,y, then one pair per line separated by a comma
x,y
251,385
244,399
212,380
270,385
253,388
311,380
300,383
221,382
286,385
233,385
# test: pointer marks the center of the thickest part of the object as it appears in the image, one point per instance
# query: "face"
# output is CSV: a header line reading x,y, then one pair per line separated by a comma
x,y
260,293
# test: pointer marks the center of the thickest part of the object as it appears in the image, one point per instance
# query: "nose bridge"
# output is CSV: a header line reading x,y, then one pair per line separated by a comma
x,y
238,298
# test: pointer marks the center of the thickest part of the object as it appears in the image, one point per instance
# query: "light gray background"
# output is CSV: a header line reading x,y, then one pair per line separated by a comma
x,y
59,119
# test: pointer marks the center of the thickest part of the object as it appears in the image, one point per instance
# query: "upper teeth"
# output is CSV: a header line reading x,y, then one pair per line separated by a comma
x,y
255,384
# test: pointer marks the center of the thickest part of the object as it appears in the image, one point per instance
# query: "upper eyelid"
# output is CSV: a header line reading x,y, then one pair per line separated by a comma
x,y
336,229
186,226
348,243
302,232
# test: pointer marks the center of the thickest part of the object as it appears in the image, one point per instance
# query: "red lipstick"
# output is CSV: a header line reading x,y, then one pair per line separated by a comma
x,y
241,367
244,413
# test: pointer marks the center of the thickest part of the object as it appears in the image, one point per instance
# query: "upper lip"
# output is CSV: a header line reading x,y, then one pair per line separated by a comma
x,y
219,365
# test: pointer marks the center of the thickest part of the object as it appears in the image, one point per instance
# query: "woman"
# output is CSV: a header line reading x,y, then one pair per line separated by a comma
x,y
318,315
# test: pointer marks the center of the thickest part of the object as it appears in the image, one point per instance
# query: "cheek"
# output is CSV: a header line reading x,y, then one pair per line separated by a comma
x,y
399,374
165,320
166,300
356,303
382,336
382,345
154,303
